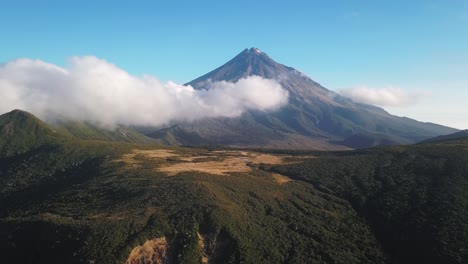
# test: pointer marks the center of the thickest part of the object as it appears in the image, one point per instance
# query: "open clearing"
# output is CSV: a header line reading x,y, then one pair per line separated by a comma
x,y
280,179
220,162
212,167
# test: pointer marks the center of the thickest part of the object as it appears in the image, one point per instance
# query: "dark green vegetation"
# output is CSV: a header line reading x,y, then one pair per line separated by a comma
x,y
415,199
314,118
68,200
20,131
85,130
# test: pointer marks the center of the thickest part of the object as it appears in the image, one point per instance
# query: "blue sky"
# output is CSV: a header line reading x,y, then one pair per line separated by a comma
x,y
420,47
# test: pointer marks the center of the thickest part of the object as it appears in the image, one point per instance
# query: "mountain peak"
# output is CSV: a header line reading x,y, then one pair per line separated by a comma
x,y
314,117
19,115
22,120
19,112
253,61
249,62
21,131
254,50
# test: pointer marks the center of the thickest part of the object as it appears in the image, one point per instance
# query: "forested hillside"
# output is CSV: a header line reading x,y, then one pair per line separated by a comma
x,y
69,200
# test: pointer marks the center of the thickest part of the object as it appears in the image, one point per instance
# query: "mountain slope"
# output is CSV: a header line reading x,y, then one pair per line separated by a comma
x,y
458,135
315,117
21,131
87,201
412,197
85,130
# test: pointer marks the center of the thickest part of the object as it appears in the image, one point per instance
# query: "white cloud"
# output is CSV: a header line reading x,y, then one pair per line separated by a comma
x,y
389,96
94,90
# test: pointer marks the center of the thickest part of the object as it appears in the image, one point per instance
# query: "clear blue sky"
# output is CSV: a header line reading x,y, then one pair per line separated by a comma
x,y
419,46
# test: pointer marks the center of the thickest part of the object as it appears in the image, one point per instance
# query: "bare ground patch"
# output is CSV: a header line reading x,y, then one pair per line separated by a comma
x,y
203,243
267,159
212,167
157,153
232,161
155,251
219,162
280,179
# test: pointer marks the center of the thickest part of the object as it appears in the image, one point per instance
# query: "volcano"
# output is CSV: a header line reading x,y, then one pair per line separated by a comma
x,y
314,118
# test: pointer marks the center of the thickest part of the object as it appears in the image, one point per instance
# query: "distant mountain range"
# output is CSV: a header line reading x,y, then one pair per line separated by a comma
x,y
21,131
315,117
457,135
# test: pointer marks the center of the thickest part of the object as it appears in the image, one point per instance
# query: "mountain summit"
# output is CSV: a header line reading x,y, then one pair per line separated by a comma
x,y
255,62
21,131
315,117
249,62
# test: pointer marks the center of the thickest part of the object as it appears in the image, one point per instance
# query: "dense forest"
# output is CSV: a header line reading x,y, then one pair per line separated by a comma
x,y
68,200
414,198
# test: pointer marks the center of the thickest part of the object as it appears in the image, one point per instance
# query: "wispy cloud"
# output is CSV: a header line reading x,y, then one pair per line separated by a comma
x,y
388,96
94,90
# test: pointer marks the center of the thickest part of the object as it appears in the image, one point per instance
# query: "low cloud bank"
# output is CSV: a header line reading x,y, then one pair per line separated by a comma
x,y
94,90
389,96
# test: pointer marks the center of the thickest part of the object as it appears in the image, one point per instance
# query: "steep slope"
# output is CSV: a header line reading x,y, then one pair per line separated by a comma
x,y
21,131
315,117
